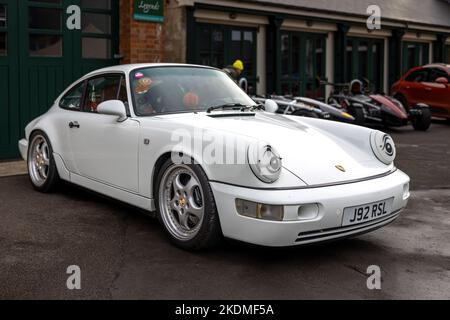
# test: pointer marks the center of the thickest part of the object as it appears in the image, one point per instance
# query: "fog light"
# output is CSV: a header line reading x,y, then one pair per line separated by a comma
x,y
406,192
308,211
259,210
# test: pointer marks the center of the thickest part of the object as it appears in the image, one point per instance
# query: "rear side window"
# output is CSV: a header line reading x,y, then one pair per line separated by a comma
x,y
418,76
72,99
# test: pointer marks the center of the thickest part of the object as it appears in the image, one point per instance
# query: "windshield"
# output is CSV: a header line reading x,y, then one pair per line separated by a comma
x,y
160,90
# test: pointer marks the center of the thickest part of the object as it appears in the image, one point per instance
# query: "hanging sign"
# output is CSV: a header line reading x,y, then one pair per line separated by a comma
x,y
149,10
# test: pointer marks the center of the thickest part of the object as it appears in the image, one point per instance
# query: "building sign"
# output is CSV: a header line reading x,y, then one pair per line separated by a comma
x,y
149,10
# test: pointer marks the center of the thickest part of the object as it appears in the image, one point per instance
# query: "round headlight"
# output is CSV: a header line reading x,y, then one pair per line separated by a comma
x,y
383,147
265,162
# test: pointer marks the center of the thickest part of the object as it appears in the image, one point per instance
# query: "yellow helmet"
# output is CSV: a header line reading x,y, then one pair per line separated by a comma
x,y
238,64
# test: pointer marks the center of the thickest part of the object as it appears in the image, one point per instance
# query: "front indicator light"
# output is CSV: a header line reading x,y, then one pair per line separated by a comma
x,y
259,210
308,211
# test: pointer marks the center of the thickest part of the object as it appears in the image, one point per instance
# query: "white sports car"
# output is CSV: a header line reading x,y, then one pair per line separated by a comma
x,y
187,142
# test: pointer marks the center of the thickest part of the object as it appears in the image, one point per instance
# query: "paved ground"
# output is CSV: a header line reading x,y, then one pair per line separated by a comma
x,y
124,253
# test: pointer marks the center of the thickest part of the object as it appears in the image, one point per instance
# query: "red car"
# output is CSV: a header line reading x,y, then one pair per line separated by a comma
x,y
429,85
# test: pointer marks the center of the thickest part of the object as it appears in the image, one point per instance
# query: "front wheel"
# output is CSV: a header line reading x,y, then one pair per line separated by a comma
x,y
422,122
186,206
358,114
41,164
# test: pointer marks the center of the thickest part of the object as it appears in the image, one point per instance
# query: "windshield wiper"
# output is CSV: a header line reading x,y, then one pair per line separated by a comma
x,y
234,106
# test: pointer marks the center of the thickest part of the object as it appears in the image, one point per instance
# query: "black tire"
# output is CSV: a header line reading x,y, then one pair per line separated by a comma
x,y
52,177
358,114
305,113
422,122
209,233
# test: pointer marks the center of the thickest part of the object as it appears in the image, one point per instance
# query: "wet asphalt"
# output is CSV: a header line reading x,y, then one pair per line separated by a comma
x,y
124,254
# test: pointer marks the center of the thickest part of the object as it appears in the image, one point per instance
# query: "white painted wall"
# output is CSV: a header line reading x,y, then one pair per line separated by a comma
x,y
261,60
434,12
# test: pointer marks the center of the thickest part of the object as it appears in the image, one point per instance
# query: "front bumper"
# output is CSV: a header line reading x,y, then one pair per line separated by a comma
x,y
23,148
327,225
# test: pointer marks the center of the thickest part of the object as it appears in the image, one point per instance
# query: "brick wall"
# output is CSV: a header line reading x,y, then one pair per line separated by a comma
x,y
140,41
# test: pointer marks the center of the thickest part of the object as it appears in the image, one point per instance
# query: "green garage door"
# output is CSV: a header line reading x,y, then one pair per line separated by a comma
x,y
9,112
43,56
414,54
365,60
219,46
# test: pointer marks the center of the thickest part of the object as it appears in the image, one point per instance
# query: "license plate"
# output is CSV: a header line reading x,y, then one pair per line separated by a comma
x,y
367,212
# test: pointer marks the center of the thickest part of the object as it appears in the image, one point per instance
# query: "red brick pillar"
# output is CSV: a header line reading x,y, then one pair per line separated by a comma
x,y
140,41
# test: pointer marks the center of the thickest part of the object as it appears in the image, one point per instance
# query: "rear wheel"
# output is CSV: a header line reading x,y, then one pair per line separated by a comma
x,y
41,164
186,206
422,122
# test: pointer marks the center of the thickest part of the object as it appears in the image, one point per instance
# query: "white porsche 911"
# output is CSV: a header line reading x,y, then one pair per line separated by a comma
x,y
187,142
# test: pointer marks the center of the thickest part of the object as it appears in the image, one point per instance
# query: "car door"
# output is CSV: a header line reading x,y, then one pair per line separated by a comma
x,y
438,94
413,87
104,149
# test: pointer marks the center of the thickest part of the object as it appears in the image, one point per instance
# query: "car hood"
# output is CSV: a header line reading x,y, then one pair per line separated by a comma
x,y
314,150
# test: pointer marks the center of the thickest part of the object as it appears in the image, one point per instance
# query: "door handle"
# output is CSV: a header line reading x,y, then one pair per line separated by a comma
x,y
74,124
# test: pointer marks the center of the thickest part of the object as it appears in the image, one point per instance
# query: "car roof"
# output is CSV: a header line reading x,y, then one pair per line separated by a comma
x,y
129,67
437,65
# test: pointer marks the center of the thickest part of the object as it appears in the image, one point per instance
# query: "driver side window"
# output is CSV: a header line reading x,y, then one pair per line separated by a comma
x,y
104,88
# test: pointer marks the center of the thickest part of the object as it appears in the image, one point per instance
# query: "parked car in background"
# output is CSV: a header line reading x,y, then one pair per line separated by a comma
x,y
427,84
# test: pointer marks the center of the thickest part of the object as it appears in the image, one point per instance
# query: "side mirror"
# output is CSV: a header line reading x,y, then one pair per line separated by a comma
x,y
442,80
113,108
271,106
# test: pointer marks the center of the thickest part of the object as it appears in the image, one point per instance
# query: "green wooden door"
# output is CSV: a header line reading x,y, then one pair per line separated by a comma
x,y
365,60
43,56
97,45
9,93
302,61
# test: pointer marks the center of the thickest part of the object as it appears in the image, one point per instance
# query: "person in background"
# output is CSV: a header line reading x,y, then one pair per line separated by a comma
x,y
235,70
